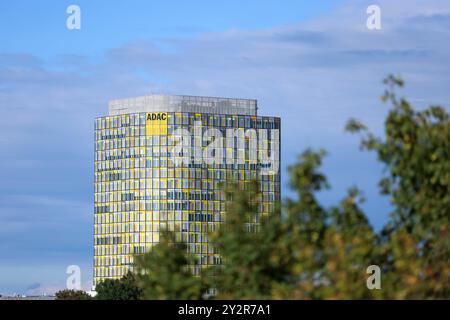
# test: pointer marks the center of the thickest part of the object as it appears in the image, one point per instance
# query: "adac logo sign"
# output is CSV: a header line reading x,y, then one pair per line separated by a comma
x,y
156,116
156,123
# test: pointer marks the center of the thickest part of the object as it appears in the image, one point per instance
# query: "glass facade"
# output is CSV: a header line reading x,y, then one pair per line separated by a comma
x,y
141,189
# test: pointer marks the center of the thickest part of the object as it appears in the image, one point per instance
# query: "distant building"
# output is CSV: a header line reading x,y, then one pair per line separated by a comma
x,y
24,297
159,162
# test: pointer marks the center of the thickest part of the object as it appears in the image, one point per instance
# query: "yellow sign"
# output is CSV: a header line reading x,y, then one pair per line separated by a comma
x,y
156,124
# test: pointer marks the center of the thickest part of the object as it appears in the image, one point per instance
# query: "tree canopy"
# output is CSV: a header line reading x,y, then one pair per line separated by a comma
x,y
72,295
163,273
119,289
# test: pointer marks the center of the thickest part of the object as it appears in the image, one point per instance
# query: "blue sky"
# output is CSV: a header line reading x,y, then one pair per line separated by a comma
x,y
39,27
314,63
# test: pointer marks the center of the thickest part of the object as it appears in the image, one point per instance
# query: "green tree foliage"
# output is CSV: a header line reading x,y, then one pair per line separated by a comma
x,y
163,273
255,255
119,289
348,249
72,295
416,153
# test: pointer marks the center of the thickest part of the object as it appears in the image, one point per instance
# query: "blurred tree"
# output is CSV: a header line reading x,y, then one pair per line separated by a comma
x,y
416,153
72,295
349,248
163,272
306,221
332,247
254,253
120,289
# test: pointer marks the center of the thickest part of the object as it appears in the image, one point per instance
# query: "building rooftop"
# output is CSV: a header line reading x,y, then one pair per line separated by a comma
x,y
178,103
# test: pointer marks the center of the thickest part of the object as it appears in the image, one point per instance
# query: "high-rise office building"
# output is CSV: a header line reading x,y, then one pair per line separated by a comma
x,y
159,164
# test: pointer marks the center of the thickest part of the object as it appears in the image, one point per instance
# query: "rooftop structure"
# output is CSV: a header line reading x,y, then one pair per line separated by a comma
x,y
179,103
